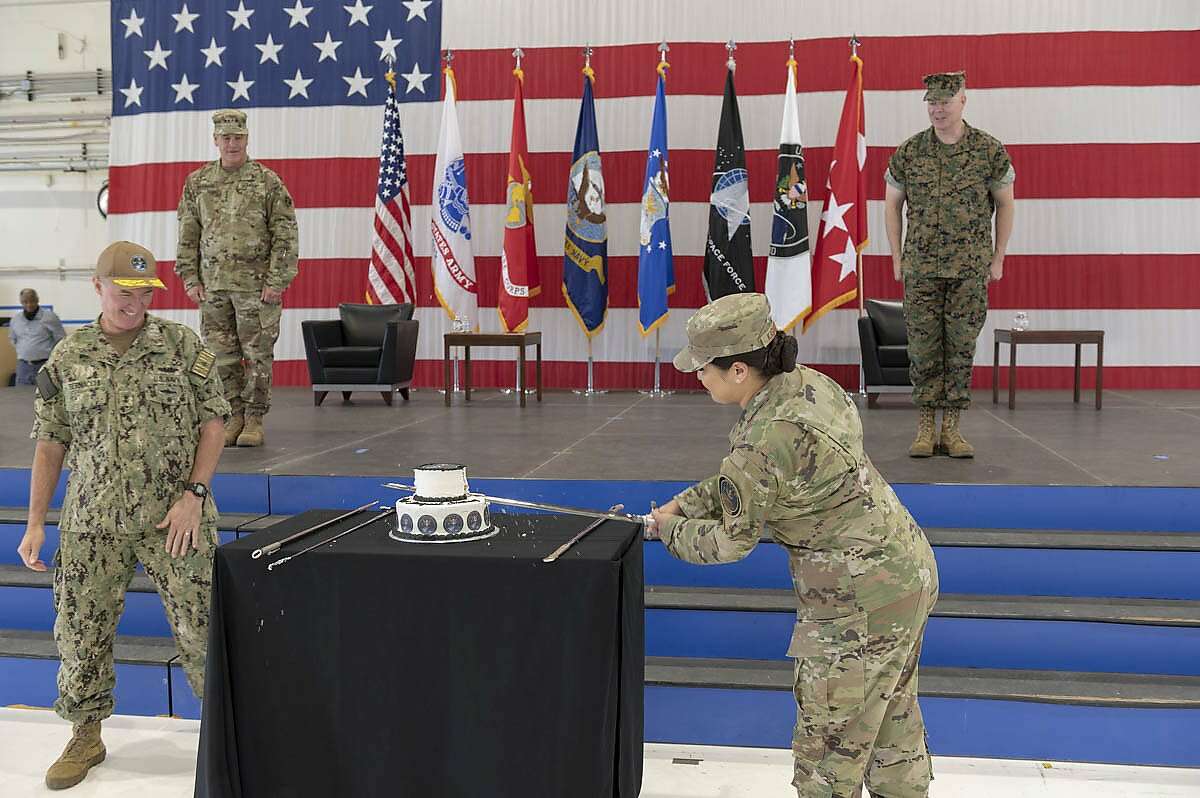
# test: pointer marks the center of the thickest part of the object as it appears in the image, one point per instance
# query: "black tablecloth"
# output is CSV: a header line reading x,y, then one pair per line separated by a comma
x,y
371,667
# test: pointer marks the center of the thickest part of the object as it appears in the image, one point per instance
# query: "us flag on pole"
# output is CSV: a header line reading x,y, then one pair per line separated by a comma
x,y
391,274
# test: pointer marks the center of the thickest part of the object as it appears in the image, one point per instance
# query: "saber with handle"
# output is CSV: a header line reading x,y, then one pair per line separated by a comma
x,y
554,555
557,508
271,548
354,528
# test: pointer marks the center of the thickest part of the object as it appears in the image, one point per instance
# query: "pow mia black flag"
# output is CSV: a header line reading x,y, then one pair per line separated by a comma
x,y
728,265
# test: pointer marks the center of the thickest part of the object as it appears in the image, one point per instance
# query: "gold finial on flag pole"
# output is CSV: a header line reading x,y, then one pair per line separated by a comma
x,y
730,46
791,62
663,49
448,71
587,63
854,44
518,54
390,75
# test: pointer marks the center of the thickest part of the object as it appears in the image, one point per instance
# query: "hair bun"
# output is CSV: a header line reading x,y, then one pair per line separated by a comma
x,y
788,349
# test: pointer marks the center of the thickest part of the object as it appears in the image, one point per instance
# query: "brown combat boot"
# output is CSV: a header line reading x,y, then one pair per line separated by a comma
x,y
252,433
924,444
83,752
233,429
952,440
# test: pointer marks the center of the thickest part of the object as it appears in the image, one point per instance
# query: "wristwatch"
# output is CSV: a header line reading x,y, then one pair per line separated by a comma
x,y
199,489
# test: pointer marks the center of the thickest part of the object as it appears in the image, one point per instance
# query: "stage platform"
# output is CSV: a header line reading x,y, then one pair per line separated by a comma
x,y
1139,439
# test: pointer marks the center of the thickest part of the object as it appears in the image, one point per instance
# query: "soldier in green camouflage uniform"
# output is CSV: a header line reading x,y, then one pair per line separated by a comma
x,y
953,177
237,253
133,405
864,574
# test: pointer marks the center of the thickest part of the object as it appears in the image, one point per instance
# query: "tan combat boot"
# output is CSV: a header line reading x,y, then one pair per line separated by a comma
x,y
924,444
233,429
252,433
952,440
83,752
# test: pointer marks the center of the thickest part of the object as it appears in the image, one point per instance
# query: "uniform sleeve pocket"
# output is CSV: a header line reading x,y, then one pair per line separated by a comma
x,y
830,677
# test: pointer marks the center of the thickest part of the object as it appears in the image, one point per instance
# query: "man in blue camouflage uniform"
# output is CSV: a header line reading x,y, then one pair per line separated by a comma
x,y
133,405
952,177
864,574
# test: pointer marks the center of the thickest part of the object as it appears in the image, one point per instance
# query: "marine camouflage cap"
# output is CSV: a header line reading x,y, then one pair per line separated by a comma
x,y
129,265
732,325
229,123
943,85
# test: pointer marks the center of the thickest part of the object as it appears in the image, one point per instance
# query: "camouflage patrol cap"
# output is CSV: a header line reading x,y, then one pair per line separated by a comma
x,y
943,85
229,123
732,325
129,266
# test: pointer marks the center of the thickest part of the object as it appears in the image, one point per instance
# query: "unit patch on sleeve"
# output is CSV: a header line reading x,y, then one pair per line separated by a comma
x,y
731,499
203,363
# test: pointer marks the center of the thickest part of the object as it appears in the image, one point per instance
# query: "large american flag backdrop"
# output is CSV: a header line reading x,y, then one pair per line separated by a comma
x,y
1097,101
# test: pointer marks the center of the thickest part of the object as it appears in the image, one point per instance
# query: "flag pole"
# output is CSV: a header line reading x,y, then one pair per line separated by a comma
x,y
657,392
591,385
862,308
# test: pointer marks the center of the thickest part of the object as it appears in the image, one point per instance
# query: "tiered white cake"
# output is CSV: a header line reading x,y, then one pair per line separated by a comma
x,y
443,510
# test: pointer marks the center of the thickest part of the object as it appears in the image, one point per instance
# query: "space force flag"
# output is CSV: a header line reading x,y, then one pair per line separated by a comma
x,y
585,248
453,263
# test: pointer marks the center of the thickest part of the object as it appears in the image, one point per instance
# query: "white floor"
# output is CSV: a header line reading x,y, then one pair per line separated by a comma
x,y
156,757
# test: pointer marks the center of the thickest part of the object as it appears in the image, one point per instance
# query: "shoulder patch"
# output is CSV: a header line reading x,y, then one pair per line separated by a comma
x,y
45,385
203,363
731,498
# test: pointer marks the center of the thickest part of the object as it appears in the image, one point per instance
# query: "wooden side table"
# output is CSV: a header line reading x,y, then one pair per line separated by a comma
x,y
468,340
1015,337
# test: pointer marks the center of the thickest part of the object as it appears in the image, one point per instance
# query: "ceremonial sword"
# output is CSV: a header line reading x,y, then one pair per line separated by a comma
x,y
271,548
610,515
554,555
343,533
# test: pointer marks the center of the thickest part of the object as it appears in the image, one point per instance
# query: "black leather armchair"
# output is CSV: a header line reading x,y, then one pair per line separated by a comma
x,y
883,338
369,348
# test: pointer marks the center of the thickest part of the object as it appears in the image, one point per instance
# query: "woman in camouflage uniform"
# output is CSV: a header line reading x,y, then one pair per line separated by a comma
x,y
864,574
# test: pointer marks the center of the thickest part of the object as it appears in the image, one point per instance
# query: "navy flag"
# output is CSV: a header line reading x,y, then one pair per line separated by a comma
x,y
728,265
656,269
585,250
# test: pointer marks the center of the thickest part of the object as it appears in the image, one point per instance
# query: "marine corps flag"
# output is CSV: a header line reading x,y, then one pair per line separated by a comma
x,y
453,262
789,286
519,279
656,267
585,250
728,266
842,233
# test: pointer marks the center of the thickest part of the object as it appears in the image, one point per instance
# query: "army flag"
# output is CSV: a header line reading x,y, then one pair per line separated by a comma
x,y
453,262
656,269
728,266
789,286
842,233
519,278
585,248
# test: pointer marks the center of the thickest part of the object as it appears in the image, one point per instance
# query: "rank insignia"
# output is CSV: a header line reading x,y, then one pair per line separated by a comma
x,y
203,363
731,498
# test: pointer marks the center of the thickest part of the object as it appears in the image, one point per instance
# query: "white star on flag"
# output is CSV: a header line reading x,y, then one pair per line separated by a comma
x,y
848,258
299,15
183,90
133,95
157,56
184,20
328,48
299,85
357,83
133,25
241,16
358,13
416,79
270,50
387,46
416,8
833,214
212,53
241,87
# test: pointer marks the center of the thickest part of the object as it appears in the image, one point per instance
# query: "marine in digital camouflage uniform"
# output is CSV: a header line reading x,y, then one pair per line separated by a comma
x,y
952,177
133,405
237,253
864,574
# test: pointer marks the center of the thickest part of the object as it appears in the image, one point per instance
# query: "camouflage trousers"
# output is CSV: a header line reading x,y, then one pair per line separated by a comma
x,y
241,330
856,692
92,572
943,317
